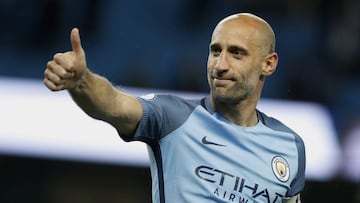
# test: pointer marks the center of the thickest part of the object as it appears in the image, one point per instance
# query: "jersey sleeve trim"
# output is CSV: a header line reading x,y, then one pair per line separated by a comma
x,y
299,181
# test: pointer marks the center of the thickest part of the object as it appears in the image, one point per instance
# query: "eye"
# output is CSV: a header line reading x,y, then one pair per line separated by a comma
x,y
215,50
238,52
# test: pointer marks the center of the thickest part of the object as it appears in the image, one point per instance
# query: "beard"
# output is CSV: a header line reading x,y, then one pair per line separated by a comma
x,y
235,93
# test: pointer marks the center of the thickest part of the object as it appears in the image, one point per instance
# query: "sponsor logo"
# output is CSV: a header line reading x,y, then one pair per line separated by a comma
x,y
204,140
280,168
233,188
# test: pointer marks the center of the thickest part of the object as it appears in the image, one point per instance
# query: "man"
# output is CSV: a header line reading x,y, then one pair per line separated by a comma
x,y
216,149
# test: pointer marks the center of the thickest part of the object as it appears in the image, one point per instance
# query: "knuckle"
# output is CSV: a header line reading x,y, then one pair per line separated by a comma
x,y
57,80
50,63
49,84
58,55
47,74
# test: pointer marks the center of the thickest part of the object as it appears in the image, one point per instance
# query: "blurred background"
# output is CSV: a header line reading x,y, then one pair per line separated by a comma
x,y
164,45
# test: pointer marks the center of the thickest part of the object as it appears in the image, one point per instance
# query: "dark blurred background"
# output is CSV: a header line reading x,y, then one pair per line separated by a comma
x,y
164,45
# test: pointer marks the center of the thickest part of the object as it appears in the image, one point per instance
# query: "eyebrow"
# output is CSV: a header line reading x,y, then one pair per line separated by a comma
x,y
214,46
232,48
239,49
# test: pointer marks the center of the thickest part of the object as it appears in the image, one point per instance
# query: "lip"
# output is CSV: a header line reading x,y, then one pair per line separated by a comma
x,y
221,81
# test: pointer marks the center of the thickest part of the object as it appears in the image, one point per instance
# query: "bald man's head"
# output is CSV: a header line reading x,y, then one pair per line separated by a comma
x,y
265,34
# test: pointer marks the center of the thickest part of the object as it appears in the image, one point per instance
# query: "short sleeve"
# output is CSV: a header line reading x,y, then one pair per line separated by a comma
x,y
299,181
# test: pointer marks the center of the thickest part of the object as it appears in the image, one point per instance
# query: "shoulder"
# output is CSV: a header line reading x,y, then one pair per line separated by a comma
x,y
277,125
273,123
163,113
168,100
169,107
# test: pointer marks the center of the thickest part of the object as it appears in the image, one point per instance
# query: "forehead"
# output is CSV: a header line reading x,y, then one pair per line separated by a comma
x,y
237,33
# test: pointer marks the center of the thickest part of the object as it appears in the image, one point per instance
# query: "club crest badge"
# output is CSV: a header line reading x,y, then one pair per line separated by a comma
x,y
280,168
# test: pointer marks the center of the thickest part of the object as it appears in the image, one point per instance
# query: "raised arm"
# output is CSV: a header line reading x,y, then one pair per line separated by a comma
x,y
93,93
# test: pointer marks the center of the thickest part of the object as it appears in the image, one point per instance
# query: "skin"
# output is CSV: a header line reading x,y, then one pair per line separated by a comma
x,y
241,55
94,94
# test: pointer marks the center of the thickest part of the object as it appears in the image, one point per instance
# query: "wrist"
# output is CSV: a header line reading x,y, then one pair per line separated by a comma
x,y
81,81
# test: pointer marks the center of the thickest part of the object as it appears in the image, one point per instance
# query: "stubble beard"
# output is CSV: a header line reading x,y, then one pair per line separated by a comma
x,y
234,94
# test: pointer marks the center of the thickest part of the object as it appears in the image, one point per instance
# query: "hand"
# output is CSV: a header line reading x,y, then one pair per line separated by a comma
x,y
66,69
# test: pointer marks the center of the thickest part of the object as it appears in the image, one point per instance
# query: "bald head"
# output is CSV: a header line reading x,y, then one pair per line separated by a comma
x,y
263,34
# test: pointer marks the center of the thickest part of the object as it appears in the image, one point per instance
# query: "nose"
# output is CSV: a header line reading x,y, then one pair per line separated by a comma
x,y
222,63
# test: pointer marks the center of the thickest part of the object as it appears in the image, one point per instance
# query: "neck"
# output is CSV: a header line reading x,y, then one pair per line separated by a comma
x,y
243,113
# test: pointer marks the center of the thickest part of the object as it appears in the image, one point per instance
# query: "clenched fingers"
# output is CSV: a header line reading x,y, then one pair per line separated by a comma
x,y
50,85
60,72
56,77
65,60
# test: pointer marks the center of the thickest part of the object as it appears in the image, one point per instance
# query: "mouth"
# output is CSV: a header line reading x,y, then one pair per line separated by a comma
x,y
220,82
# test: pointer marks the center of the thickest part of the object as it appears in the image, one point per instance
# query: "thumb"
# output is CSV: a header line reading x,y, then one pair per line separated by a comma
x,y
76,42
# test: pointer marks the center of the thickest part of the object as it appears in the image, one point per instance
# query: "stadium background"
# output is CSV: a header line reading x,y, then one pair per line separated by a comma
x,y
163,45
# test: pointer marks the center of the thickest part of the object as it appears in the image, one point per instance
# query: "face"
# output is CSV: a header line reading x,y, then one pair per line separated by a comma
x,y
234,62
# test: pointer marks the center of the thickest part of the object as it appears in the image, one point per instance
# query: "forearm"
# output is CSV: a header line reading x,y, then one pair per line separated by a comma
x,y
95,95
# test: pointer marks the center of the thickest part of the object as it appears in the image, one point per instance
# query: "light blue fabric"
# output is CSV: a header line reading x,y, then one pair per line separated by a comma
x,y
198,156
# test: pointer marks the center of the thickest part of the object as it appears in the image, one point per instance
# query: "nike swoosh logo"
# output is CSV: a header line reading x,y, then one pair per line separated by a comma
x,y
207,142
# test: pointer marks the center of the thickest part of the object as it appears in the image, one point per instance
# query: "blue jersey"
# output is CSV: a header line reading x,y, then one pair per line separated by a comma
x,y
196,155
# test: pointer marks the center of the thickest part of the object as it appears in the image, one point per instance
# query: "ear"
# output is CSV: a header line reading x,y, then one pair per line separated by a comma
x,y
270,63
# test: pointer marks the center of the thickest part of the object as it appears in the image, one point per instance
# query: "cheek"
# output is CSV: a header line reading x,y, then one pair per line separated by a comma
x,y
210,65
254,77
209,62
254,69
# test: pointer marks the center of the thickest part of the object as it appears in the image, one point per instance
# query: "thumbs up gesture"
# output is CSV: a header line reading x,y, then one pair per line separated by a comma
x,y
66,69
